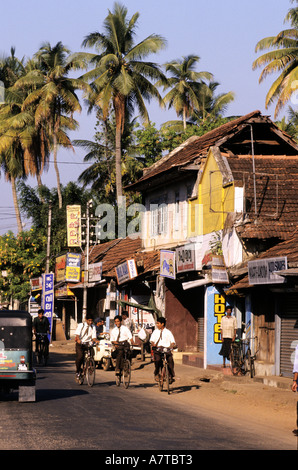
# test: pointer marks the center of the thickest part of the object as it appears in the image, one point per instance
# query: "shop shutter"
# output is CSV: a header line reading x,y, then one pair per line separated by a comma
x,y
289,334
201,334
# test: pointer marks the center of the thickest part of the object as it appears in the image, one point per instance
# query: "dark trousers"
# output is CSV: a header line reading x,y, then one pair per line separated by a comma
x,y
119,351
80,351
158,363
38,341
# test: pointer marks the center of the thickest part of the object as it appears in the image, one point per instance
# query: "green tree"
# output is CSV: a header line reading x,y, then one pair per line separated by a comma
x,y
21,258
101,174
34,203
212,106
11,140
120,75
283,60
54,97
184,83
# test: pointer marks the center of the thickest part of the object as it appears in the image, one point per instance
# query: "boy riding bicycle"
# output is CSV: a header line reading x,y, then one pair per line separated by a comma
x,y
120,336
163,338
85,333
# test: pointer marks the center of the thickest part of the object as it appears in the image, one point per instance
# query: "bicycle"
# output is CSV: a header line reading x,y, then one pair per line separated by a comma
x,y
88,367
236,358
42,349
125,372
242,360
164,376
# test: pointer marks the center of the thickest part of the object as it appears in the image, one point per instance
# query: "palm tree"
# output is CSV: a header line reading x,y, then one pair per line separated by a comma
x,y
11,149
185,84
120,75
100,175
53,94
283,58
211,106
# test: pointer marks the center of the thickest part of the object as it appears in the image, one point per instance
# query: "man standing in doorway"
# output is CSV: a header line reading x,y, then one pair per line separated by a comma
x,y
228,331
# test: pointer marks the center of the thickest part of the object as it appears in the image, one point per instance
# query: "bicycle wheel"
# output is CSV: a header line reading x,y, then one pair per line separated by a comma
x,y
234,360
167,378
41,354
252,365
161,379
90,371
126,373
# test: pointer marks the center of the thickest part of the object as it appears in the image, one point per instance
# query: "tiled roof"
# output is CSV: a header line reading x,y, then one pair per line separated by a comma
x,y
196,148
116,252
276,182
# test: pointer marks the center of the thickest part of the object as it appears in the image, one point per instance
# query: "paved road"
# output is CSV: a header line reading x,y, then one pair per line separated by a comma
x,y
68,416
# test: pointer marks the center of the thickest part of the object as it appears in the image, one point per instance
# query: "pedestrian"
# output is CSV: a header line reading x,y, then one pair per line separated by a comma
x,y
100,326
228,330
162,337
126,321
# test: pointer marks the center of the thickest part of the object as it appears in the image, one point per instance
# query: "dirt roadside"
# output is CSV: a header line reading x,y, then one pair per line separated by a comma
x,y
241,397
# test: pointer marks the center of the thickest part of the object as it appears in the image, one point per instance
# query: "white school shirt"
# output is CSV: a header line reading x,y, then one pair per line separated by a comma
x,y
85,332
166,338
125,334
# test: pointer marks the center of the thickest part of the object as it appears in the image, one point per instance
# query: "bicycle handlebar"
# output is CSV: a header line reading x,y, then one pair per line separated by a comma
x,y
163,349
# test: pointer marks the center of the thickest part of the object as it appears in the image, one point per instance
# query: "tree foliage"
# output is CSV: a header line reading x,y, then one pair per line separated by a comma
x,y
21,258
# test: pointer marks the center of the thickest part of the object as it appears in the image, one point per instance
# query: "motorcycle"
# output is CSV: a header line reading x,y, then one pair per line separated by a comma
x,y
103,352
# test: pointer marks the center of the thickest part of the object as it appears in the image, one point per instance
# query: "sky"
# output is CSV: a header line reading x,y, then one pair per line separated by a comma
x,y
223,33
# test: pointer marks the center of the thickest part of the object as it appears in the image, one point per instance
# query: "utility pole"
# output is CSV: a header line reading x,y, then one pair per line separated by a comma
x,y
49,238
86,272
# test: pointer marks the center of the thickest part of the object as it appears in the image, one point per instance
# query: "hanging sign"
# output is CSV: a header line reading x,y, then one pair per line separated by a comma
x,y
95,272
263,271
73,214
126,271
167,264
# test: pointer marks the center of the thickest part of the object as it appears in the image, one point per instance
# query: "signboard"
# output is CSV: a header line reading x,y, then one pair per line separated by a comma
x,y
36,284
60,268
216,264
73,217
73,267
95,272
263,271
186,258
63,291
167,264
215,302
48,296
68,267
126,271
218,271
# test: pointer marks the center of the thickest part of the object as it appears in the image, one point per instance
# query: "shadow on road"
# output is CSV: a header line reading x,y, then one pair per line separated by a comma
x,y
47,394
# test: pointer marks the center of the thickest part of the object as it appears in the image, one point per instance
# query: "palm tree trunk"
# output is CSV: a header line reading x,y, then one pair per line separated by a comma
x,y
119,189
16,204
119,107
57,170
184,117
